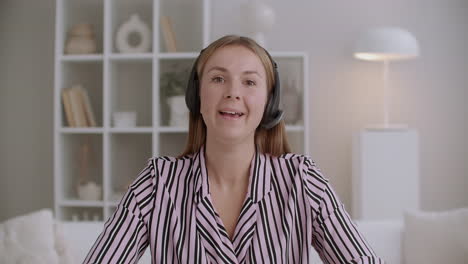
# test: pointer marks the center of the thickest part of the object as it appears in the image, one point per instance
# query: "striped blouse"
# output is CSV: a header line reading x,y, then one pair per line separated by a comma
x,y
290,206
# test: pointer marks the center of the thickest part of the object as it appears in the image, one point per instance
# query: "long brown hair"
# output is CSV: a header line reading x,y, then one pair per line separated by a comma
x,y
273,140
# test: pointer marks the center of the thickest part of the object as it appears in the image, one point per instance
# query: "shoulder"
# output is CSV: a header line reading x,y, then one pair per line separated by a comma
x,y
300,167
152,169
155,173
304,164
165,167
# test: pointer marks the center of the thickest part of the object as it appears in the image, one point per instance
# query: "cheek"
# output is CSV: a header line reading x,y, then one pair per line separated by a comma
x,y
257,103
207,99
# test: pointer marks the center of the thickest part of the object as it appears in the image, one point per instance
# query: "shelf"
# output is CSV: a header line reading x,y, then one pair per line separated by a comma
x,y
113,203
89,75
70,13
177,55
114,197
172,144
81,213
168,129
131,56
81,203
113,156
80,159
120,13
81,130
128,154
131,89
82,58
131,130
188,20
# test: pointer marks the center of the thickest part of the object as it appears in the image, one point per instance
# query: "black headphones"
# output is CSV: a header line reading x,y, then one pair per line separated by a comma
x,y
272,115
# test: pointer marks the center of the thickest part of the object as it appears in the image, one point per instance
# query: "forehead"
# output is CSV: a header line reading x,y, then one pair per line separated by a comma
x,y
235,58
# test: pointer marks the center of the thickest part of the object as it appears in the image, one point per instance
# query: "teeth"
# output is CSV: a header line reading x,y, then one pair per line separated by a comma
x,y
232,113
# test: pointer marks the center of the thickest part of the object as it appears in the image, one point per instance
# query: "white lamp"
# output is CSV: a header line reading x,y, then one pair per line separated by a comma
x,y
378,192
386,44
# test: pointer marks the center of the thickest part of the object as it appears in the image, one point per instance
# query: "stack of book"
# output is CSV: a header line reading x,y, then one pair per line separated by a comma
x,y
77,106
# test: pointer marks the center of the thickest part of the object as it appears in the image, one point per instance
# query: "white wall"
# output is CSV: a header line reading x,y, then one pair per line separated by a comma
x,y
345,95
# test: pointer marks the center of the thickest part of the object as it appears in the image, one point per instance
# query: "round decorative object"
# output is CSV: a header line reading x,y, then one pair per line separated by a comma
x,y
133,36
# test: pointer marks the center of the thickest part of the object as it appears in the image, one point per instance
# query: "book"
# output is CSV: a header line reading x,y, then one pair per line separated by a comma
x,y
67,107
77,107
168,34
89,113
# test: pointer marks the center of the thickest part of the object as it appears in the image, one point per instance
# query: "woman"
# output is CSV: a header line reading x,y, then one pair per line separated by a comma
x,y
236,194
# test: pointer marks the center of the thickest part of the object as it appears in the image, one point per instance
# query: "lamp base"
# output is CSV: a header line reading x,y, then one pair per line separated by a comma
x,y
387,127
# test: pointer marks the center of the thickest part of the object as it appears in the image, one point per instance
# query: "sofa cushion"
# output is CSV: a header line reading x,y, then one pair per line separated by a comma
x,y
385,237
436,237
28,239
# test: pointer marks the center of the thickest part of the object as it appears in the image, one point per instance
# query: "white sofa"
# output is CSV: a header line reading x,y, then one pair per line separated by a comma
x,y
420,237
384,236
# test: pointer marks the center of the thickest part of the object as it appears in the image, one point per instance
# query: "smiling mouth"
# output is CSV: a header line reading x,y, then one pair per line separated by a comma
x,y
231,114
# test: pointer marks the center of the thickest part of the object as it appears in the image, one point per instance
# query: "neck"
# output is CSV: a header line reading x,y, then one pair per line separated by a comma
x,y
228,165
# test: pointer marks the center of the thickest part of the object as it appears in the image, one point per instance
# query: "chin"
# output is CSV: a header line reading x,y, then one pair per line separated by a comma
x,y
232,135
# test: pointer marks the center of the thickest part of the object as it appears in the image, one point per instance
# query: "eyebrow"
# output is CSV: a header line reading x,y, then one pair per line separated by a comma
x,y
225,70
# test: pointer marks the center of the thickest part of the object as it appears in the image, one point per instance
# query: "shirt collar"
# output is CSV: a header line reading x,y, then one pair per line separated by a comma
x,y
259,176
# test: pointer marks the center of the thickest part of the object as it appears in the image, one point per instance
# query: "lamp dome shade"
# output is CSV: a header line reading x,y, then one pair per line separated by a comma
x,y
388,43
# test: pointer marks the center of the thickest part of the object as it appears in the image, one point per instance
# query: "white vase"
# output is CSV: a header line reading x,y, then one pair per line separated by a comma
x,y
134,25
178,111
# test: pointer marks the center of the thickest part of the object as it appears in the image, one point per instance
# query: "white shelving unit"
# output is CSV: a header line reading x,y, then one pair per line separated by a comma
x,y
130,82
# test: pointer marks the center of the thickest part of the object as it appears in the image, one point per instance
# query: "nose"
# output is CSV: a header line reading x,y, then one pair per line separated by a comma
x,y
233,91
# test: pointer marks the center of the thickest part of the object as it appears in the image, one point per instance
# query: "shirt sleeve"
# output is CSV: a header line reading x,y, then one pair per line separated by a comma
x,y
335,236
125,235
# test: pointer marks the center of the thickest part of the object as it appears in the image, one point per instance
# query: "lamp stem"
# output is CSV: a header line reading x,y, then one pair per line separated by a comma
x,y
386,93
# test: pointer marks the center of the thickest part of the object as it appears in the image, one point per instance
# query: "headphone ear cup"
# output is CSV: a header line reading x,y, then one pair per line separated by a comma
x,y
192,99
273,115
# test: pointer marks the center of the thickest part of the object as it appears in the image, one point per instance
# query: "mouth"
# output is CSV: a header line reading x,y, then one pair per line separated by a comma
x,y
231,114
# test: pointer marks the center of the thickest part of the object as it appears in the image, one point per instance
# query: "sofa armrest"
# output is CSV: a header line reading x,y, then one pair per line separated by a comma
x,y
81,236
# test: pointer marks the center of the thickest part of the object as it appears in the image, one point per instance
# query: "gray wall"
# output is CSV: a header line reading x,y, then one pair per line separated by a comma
x,y
26,121
345,94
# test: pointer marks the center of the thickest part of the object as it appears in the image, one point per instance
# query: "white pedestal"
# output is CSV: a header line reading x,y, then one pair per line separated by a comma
x,y
385,173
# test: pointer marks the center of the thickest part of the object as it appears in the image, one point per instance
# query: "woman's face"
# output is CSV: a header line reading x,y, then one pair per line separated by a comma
x,y
233,93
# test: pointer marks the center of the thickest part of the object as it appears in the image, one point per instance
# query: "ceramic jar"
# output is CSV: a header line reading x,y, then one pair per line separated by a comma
x,y
89,191
81,40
